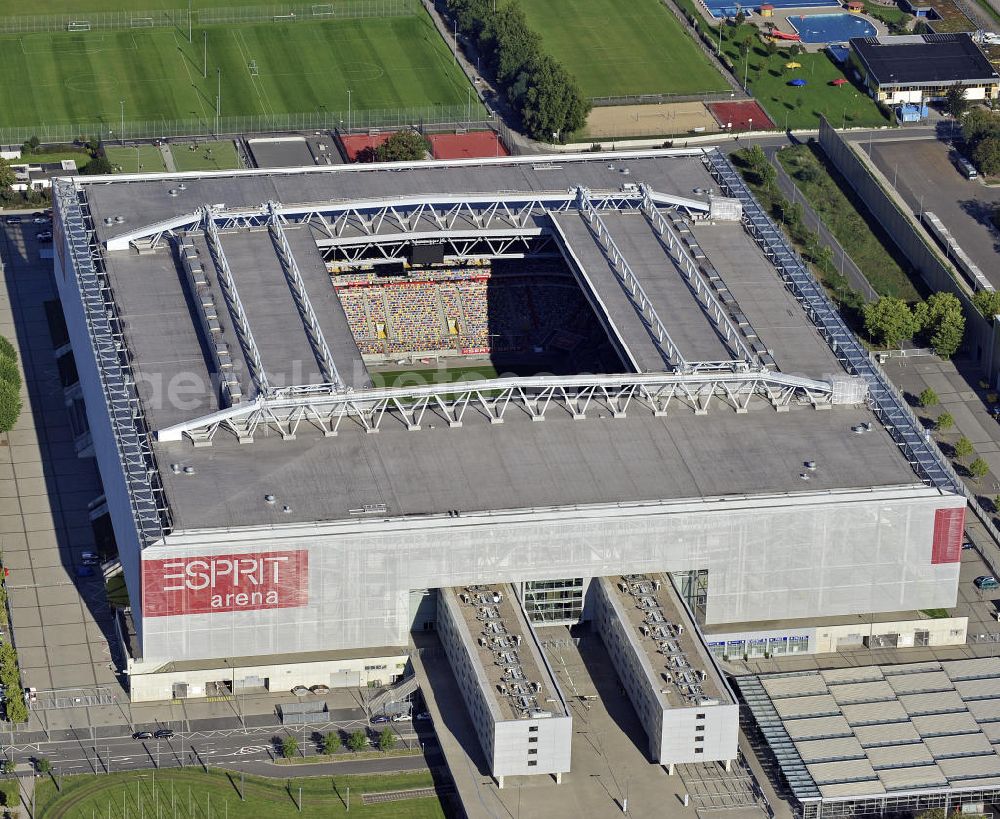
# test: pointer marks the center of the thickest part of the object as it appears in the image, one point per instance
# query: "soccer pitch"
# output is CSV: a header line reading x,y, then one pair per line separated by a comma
x,y
270,68
620,47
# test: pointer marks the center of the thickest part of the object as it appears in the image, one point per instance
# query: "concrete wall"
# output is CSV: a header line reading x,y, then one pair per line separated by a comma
x,y
943,631
471,681
777,557
115,487
377,669
981,339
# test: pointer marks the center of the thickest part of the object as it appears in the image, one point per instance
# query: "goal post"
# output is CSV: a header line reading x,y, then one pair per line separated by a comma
x,y
322,10
78,25
141,22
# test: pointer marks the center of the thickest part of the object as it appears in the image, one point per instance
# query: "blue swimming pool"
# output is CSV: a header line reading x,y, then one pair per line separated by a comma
x,y
730,8
831,28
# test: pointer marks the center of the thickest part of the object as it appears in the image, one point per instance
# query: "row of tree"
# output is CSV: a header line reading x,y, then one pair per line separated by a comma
x,y
939,322
332,742
981,132
544,94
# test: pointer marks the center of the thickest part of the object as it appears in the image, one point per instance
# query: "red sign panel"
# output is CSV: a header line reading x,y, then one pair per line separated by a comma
x,y
214,583
948,527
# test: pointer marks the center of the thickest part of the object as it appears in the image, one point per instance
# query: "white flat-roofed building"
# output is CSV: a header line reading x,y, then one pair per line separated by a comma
x,y
683,702
516,706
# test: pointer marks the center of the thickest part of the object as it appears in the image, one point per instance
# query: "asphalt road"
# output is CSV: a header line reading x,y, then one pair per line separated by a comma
x,y
75,751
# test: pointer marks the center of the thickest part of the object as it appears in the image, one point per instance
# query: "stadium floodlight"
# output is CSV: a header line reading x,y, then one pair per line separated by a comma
x,y
121,133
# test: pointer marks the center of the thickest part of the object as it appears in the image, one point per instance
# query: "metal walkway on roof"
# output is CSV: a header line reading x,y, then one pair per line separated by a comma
x,y
885,401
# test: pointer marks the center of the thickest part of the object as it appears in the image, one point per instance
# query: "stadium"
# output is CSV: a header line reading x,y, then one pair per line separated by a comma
x,y
334,405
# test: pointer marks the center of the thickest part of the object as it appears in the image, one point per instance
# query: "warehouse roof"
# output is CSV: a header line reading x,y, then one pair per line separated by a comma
x,y
843,756
917,59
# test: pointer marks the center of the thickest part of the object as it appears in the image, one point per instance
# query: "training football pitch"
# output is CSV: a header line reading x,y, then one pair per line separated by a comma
x,y
266,69
620,47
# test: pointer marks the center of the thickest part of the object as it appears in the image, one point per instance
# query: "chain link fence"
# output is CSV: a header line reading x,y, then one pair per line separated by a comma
x,y
656,99
182,20
437,117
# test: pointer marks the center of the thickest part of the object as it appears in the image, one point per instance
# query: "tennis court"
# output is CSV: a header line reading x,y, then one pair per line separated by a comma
x,y
728,8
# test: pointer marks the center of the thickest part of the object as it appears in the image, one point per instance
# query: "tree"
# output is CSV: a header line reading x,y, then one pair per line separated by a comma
x,y
963,447
942,322
97,166
928,398
944,422
549,100
386,740
403,146
10,406
357,740
8,766
933,813
889,321
955,101
6,174
988,302
289,747
42,765
331,742
986,155
979,468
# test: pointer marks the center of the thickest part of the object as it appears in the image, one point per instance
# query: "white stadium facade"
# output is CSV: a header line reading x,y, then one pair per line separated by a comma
x,y
280,520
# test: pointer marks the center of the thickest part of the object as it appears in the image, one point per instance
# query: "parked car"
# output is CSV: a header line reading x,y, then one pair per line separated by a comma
x,y
41,220
44,236
986,582
142,735
90,558
379,719
423,715
163,733
13,220
401,717
968,544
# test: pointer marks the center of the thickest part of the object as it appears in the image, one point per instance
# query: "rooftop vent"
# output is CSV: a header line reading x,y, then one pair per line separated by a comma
x,y
269,499
172,192
188,470
119,219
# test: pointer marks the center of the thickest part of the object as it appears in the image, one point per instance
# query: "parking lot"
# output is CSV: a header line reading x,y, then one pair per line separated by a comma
x,y
927,179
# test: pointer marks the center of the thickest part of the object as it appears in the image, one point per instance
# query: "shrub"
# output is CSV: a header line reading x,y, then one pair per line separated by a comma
x,y
386,740
289,747
963,447
331,742
928,398
979,468
10,406
9,372
357,740
7,349
944,422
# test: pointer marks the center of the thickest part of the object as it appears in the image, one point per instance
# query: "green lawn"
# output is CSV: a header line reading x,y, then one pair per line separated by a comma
x,y
872,251
206,156
81,157
619,47
140,159
420,376
215,796
154,74
79,8
799,107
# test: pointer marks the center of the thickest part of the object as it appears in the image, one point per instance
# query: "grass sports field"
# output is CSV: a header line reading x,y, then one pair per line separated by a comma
x,y
192,793
206,156
619,47
67,78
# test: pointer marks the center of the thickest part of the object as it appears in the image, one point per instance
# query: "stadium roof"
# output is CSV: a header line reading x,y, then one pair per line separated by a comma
x,y
924,59
829,750
480,466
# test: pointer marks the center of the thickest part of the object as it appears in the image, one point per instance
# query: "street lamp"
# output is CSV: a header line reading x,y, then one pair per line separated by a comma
x,y
348,110
121,133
